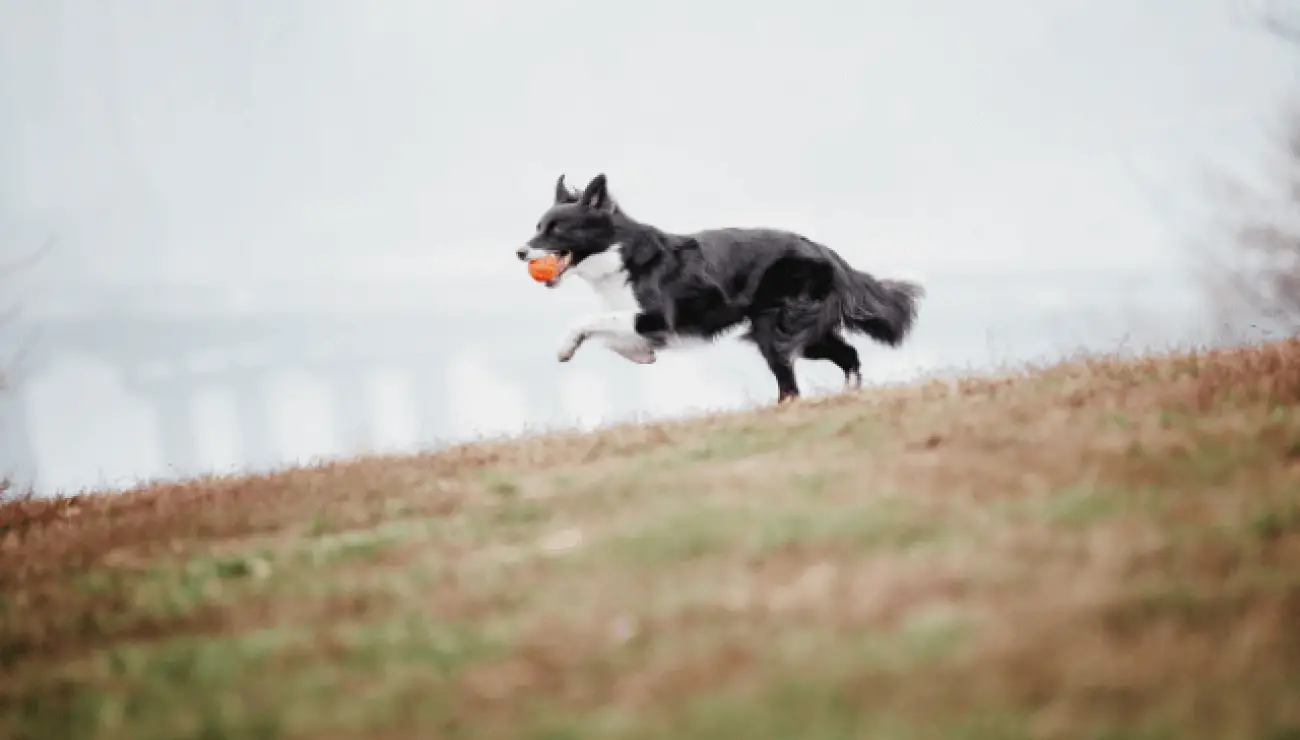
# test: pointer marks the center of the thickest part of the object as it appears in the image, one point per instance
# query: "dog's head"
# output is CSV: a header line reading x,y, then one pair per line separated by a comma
x,y
576,227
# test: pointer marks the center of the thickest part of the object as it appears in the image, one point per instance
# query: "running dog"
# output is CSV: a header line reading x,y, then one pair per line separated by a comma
x,y
791,296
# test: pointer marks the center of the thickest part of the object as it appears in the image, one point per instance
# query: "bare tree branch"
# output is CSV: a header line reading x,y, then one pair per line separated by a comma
x,y
1257,282
31,259
9,315
1281,18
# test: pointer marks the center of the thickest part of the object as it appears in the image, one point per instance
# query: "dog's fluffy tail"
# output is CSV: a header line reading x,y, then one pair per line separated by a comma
x,y
883,309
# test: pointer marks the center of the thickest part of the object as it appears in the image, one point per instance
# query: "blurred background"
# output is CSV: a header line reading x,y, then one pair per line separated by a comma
x,y
238,234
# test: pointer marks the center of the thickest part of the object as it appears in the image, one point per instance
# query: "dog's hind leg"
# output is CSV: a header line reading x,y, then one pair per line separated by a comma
x,y
763,333
833,347
787,305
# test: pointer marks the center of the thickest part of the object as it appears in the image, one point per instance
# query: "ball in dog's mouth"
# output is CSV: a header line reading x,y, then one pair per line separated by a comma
x,y
562,261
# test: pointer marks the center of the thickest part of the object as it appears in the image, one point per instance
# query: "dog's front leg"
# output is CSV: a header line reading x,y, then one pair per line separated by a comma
x,y
616,325
639,350
570,345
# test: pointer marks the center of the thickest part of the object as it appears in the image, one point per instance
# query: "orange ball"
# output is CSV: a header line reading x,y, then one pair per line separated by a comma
x,y
545,268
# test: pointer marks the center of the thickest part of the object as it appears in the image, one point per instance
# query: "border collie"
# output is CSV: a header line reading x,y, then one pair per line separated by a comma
x,y
793,296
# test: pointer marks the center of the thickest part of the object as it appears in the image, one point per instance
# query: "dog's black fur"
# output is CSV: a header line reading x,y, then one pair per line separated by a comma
x,y
796,295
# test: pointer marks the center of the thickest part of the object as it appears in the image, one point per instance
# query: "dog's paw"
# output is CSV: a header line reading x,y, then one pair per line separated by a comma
x,y
569,348
638,351
641,357
852,380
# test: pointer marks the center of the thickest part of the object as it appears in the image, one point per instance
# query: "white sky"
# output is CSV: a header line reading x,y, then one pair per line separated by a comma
x,y
222,138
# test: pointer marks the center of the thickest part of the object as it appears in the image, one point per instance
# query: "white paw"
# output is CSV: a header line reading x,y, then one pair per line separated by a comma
x,y
569,347
640,357
639,352
852,381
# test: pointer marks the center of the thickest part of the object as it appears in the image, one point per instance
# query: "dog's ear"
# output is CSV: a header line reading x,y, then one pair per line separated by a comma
x,y
562,192
596,196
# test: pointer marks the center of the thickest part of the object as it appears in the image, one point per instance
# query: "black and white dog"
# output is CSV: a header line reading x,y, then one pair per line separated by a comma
x,y
794,295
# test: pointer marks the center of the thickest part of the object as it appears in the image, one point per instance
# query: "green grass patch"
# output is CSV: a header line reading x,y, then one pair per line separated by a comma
x,y
1082,505
1107,550
752,528
265,684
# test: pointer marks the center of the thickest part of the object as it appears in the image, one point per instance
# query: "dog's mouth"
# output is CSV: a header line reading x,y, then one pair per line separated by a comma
x,y
562,262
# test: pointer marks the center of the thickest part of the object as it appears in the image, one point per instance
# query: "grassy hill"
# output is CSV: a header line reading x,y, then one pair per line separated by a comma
x,y
1102,549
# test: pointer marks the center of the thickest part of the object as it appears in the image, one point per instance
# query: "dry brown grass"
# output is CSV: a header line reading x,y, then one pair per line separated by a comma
x,y
1100,549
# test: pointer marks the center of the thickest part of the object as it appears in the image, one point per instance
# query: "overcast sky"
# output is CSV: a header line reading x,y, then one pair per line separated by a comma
x,y
218,138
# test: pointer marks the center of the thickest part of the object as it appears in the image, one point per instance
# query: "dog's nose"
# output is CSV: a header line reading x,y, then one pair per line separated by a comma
x,y
522,253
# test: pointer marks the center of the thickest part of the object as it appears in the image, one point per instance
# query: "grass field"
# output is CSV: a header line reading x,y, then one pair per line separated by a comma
x,y
1102,549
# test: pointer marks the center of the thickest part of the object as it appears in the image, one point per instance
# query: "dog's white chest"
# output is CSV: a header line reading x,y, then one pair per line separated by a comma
x,y
606,275
616,327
